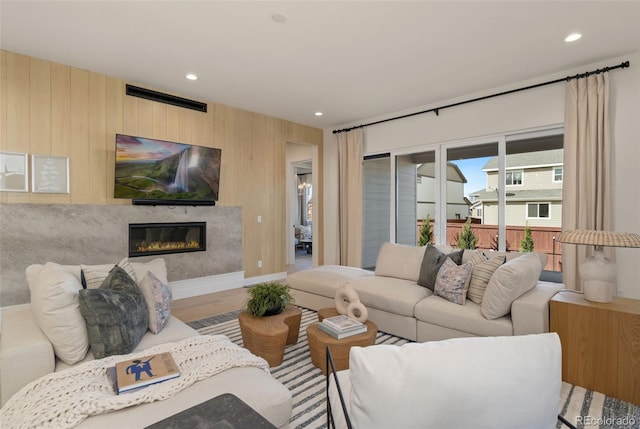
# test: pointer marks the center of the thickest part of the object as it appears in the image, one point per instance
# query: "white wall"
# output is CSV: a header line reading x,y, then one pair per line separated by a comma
x,y
531,109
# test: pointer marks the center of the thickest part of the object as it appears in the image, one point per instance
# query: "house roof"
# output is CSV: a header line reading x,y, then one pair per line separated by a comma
x,y
352,60
544,158
454,174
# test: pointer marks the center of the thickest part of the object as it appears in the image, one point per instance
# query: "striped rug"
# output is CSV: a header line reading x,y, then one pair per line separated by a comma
x,y
582,407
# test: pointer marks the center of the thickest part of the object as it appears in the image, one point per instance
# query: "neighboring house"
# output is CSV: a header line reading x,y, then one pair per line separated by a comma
x,y
457,204
533,190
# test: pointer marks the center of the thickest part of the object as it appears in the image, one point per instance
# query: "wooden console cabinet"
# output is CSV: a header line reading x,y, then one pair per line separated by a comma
x,y
600,343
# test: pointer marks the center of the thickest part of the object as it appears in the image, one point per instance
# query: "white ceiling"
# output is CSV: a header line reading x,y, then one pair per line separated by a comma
x,y
351,60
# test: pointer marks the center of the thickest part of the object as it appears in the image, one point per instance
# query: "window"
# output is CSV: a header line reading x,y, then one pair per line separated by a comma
x,y
479,213
538,210
513,177
557,174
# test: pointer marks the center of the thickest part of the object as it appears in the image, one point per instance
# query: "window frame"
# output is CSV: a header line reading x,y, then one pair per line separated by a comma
x,y
537,203
512,171
553,174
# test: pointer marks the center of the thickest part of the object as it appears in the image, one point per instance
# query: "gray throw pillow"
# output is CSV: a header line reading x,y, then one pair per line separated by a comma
x,y
115,314
431,263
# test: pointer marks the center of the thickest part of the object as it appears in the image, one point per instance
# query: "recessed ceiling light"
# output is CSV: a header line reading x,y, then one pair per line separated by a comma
x,y
318,113
572,37
191,76
279,18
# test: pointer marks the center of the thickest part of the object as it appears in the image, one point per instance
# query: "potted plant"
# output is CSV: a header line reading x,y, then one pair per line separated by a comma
x,y
267,299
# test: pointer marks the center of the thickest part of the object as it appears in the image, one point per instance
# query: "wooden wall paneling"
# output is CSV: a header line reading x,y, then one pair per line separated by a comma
x,y
173,124
114,125
3,100
61,119
17,115
80,162
145,118
159,121
229,187
39,116
129,114
98,137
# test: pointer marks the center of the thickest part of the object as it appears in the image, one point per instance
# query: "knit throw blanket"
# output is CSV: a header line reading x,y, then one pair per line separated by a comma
x,y
64,399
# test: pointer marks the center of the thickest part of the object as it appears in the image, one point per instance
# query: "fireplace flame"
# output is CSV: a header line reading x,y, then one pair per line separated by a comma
x,y
155,246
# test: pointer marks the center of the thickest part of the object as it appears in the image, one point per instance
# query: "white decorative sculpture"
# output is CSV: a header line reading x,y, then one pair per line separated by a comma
x,y
348,303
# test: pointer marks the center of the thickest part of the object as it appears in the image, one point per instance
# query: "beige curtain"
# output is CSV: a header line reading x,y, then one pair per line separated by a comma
x,y
586,193
350,152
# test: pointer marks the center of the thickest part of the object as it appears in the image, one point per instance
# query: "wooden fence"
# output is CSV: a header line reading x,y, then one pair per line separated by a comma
x,y
544,239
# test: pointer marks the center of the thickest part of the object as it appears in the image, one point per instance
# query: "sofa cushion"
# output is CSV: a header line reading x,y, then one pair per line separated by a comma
x,y
510,281
54,302
508,255
431,263
94,275
397,296
325,280
157,296
399,261
483,269
465,318
452,281
115,314
457,383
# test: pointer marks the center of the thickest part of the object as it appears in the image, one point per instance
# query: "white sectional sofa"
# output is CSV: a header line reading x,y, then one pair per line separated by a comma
x,y
400,306
27,354
484,382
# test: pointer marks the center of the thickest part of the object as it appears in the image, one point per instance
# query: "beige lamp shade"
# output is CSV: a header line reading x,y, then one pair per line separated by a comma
x,y
600,238
598,273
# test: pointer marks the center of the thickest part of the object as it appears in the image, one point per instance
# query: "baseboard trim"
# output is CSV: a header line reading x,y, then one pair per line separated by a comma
x,y
266,278
204,285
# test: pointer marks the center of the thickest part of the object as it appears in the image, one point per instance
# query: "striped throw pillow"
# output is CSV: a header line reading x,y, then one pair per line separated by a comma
x,y
483,269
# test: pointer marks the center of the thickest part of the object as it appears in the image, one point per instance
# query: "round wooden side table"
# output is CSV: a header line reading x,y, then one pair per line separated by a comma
x,y
319,340
267,336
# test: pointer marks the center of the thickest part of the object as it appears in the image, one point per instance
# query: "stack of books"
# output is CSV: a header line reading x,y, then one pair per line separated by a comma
x,y
133,374
342,326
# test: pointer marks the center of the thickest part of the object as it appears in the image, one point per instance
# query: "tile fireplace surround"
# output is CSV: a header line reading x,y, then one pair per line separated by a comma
x,y
73,234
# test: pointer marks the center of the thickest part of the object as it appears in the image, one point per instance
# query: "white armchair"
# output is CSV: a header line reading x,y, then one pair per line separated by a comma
x,y
480,382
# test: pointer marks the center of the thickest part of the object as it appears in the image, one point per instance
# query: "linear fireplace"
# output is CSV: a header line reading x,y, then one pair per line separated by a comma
x,y
161,238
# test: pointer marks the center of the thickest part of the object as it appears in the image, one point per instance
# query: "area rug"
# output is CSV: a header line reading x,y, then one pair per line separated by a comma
x,y
584,408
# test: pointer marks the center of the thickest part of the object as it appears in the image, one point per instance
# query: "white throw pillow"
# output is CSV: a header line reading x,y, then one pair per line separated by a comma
x,y
157,296
509,282
54,304
480,383
94,275
156,266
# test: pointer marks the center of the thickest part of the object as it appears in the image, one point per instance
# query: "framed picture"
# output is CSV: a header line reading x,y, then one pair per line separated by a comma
x,y
14,172
50,174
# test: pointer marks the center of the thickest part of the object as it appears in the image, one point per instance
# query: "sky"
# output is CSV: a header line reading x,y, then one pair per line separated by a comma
x,y
472,170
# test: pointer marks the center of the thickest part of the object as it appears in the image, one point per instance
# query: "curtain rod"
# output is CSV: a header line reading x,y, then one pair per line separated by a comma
x,y
436,110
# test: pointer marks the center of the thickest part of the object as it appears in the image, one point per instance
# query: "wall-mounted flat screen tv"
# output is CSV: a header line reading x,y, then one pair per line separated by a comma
x,y
151,171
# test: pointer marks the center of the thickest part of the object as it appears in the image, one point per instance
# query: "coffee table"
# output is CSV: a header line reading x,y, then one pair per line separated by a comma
x,y
226,411
268,336
319,340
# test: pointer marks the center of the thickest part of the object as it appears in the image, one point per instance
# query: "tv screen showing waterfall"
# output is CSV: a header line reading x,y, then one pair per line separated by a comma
x,y
166,172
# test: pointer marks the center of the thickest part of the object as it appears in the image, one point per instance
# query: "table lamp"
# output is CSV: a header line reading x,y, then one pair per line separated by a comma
x,y
598,273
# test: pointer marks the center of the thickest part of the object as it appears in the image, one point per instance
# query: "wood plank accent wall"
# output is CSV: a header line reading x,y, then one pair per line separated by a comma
x,y
54,109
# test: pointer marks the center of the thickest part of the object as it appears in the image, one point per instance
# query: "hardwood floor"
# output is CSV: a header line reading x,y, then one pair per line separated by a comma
x,y
200,307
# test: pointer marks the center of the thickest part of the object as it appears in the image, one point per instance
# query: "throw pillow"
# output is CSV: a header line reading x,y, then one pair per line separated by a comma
x,y
431,263
452,281
54,304
510,281
483,269
93,275
115,315
156,266
157,296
